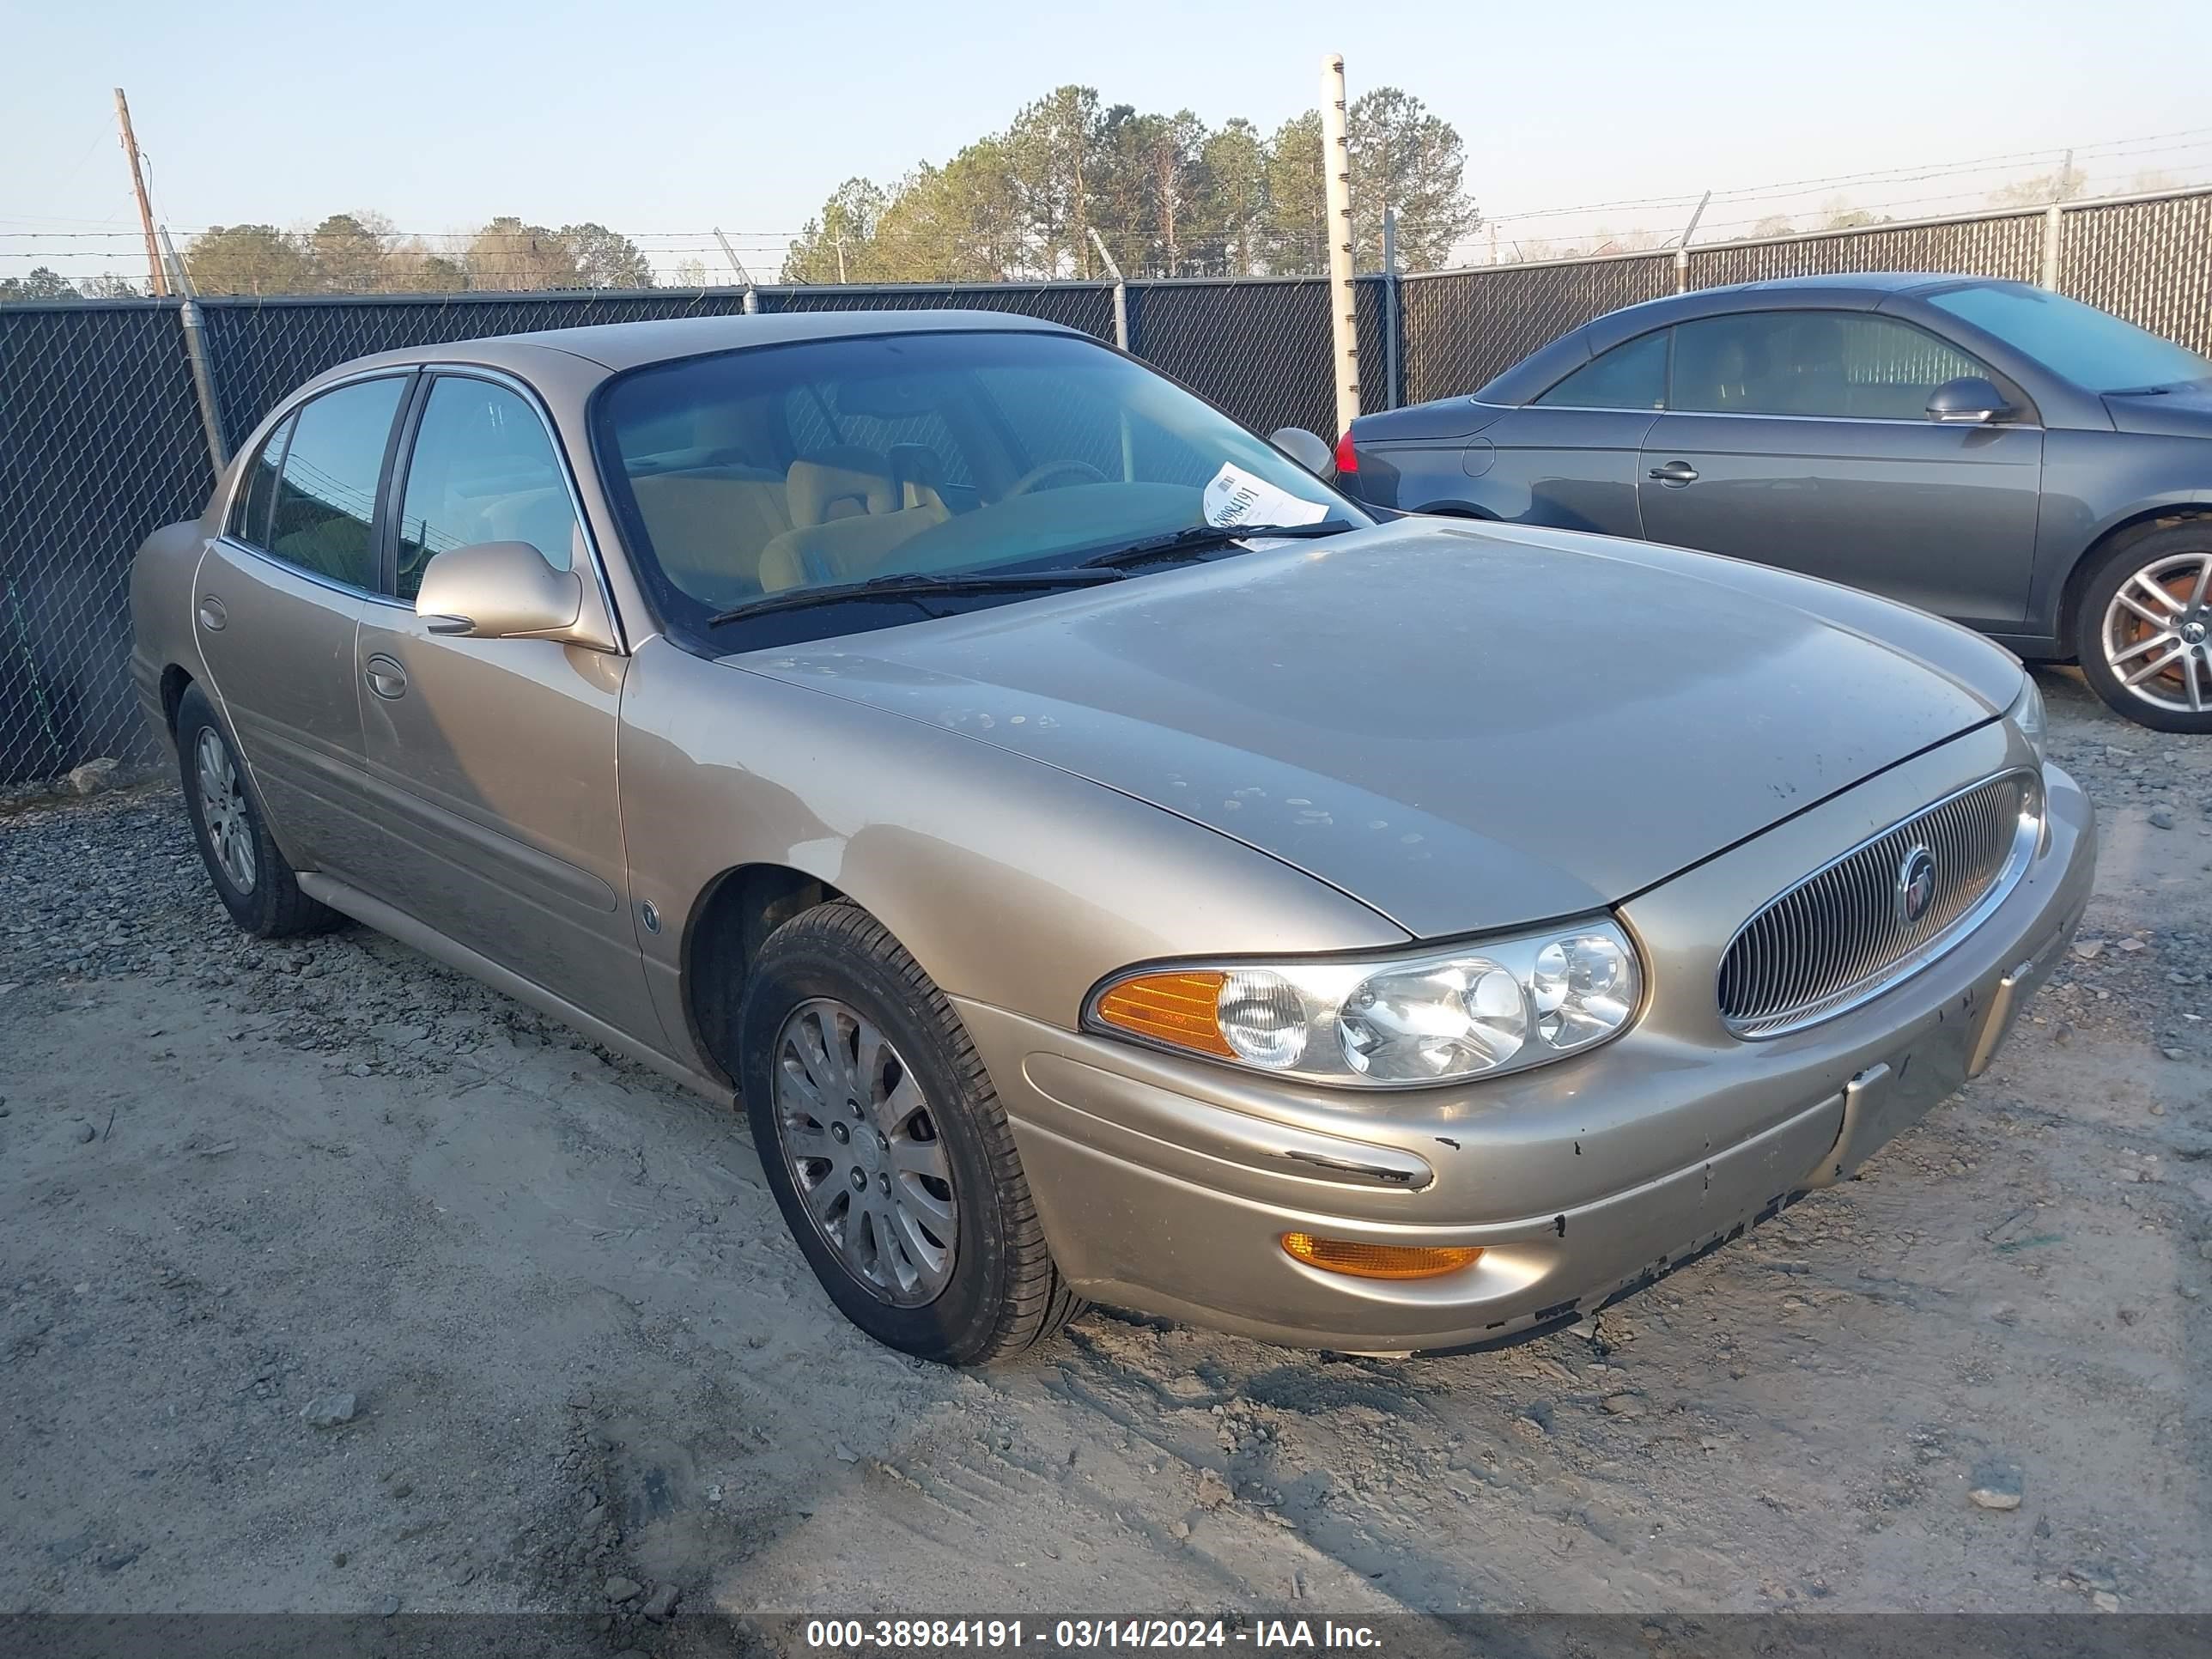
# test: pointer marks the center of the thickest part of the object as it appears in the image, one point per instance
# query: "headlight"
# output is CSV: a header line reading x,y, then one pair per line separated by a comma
x,y
2026,716
1437,1016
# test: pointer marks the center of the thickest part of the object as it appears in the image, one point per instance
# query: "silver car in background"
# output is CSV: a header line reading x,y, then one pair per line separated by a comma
x,y
1104,860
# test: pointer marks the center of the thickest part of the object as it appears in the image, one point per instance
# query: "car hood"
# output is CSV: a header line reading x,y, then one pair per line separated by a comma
x,y
2182,411
1466,727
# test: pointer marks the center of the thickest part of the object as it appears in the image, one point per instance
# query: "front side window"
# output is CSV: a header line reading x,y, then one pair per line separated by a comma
x,y
2078,343
1836,365
250,510
326,499
1632,375
482,470
754,473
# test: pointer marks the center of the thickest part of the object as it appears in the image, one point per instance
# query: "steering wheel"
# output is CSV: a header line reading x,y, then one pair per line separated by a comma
x,y
1068,471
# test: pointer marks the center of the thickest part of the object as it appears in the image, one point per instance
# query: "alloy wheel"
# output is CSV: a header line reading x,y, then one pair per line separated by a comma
x,y
863,1150
2157,633
223,811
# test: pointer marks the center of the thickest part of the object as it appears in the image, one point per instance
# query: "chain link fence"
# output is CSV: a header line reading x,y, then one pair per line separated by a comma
x,y
100,440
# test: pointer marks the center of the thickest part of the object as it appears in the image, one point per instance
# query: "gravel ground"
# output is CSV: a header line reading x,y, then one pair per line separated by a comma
x,y
331,1281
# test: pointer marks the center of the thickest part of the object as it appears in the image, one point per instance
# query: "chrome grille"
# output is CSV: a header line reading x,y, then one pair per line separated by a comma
x,y
1841,935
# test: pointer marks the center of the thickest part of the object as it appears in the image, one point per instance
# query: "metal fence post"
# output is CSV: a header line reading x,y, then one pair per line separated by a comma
x,y
1336,182
196,353
2054,234
1393,366
1120,290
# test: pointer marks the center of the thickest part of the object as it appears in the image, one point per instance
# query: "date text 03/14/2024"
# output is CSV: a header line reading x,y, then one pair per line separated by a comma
x,y
1082,1634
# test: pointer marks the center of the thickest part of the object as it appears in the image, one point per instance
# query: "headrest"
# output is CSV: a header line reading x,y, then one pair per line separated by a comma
x,y
839,482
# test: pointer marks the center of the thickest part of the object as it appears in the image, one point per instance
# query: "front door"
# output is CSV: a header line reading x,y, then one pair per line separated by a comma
x,y
279,600
493,760
1800,439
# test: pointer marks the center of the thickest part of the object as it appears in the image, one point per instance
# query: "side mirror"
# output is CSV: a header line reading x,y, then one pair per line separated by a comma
x,y
1969,399
502,590
1314,453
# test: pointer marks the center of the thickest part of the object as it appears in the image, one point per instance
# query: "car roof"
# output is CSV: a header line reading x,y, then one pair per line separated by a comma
x,y
1861,290
618,346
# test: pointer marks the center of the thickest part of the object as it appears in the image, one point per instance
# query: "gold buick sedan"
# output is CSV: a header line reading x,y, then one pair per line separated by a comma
x,y
1104,860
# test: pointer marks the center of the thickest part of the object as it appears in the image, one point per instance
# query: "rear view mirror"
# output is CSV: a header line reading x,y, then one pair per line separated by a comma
x,y
1970,400
1314,453
505,590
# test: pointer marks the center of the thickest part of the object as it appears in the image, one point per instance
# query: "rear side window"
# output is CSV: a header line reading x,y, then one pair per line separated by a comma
x,y
1836,365
249,512
1632,375
325,499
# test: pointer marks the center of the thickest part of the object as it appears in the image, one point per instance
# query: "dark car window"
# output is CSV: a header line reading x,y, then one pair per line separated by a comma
x,y
483,469
2078,343
1632,375
326,495
1836,365
249,511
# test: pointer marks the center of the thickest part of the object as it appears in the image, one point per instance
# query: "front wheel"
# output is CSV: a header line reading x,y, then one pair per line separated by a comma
x,y
2144,633
886,1147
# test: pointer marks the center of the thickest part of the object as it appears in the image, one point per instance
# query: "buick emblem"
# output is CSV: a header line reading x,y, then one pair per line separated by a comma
x,y
1916,885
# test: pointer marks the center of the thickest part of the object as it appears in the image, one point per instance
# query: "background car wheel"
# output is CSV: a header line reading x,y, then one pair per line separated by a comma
x,y
2144,634
886,1146
250,875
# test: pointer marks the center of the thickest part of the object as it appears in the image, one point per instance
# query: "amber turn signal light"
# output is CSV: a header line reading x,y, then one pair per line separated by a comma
x,y
1170,1007
1364,1260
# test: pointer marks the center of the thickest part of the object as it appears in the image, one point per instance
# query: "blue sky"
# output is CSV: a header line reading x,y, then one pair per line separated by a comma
x,y
678,116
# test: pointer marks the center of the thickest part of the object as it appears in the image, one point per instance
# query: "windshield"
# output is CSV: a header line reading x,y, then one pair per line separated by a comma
x,y
2078,343
771,472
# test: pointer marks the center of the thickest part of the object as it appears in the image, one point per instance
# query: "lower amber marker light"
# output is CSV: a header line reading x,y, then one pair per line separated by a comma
x,y
1359,1260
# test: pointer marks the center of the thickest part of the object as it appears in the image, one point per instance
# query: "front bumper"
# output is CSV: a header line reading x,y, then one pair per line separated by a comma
x,y
1165,1185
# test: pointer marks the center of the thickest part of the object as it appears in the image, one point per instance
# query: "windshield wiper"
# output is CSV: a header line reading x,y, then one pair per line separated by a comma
x,y
912,586
1198,537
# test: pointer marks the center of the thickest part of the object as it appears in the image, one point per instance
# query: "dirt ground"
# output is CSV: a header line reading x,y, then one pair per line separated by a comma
x,y
237,1180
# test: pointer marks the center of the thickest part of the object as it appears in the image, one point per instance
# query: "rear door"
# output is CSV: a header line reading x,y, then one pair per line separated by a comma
x,y
492,761
1800,439
280,597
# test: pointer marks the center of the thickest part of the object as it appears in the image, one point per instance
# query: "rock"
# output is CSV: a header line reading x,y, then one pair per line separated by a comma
x,y
581,1400
2204,1249
116,1557
2175,1054
660,1606
2062,1032
2089,949
1625,1404
1995,1487
2158,1109
85,1133
339,1558
1989,1497
93,776
2161,819
330,1410
389,1606
619,1588
846,1454
1179,1529
359,1068
2105,1601
1213,1491
2132,946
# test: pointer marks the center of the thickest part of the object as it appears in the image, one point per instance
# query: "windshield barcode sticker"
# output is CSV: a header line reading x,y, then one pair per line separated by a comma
x,y
1235,496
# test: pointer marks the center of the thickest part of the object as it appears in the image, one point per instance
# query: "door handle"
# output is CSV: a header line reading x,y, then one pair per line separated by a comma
x,y
211,614
386,676
1676,473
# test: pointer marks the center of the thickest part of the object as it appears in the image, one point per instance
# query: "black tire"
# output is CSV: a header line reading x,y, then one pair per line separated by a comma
x,y
270,904
1005,1293
2168,547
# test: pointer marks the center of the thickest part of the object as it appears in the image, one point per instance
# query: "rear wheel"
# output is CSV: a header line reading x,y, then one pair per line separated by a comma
x,y
886,1147
2144,634
251,876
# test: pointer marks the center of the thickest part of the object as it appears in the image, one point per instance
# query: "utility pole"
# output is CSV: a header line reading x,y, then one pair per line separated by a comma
x,y
155,274
1336,173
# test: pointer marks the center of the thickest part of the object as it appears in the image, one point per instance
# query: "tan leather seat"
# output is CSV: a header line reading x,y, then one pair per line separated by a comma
x,y
843,482
709,527
847,549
